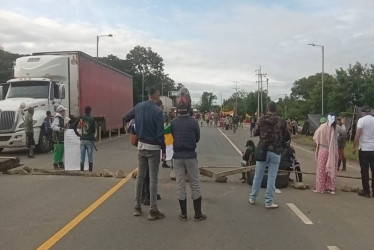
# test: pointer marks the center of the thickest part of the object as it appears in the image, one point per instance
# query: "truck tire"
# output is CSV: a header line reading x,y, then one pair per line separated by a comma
x,y
45,144
281,181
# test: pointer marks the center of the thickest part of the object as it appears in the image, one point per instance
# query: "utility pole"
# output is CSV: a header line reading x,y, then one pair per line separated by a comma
x,y
236,99
142,86
260,104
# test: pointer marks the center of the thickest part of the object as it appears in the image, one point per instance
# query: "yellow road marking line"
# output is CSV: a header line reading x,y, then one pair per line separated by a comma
x,y
73,223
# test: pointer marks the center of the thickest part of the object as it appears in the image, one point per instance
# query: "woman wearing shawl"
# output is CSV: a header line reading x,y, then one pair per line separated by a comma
x,y
326,156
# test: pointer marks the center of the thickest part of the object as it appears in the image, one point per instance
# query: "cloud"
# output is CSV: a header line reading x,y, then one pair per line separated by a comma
x,y
210,47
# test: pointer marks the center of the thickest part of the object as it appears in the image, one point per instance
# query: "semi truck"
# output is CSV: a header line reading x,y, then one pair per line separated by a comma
x,y
69,78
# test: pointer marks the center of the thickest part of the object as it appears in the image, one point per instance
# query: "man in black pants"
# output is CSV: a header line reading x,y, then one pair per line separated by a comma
x,y
365,135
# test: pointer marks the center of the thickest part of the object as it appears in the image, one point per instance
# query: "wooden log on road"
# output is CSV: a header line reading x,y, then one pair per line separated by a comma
x,y
7,163
206,172
234,171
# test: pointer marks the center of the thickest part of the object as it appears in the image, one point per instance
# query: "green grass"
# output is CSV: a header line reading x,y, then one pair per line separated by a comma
x,y
308,142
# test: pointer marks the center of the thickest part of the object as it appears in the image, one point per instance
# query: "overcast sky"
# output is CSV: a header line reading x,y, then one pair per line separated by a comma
x,y
206,45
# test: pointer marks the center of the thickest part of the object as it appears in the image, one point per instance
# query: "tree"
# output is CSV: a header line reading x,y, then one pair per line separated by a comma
x,y
143,63
7,61
206,101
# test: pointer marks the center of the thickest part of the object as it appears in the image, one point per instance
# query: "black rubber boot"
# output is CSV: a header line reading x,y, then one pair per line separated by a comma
x,y
199,216
55,166
344,165
339,163
61,165
82,166
183,206
90,166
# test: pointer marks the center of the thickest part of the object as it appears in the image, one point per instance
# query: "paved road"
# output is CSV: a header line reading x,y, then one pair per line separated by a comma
x,y
34,208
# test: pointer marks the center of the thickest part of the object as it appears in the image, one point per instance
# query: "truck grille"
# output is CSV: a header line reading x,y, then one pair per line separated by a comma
x,y
7,120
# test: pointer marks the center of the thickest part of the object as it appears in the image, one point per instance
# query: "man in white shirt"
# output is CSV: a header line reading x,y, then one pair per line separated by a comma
x,y
365,135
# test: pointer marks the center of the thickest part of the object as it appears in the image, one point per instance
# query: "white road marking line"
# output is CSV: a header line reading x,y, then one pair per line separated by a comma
x,y
278,191
293,145
299,214
332,248
232,144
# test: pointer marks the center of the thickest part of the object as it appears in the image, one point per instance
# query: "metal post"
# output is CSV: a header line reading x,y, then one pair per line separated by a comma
x,y
323,72
119,132
267,89
97,47
262,104
110,133
99,134
258,97
142,86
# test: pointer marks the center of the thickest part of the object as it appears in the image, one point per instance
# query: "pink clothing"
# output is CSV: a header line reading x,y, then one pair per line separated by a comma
x,y
325,138
323,180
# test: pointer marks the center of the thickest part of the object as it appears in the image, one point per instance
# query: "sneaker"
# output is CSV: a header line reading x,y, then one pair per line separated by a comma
x,y
363,194
331,192
201,217
183,217
155,215
315,191
252,201
272,206
138,211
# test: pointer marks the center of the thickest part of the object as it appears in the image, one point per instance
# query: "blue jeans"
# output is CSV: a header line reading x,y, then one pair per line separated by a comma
x,y
272,161
86,145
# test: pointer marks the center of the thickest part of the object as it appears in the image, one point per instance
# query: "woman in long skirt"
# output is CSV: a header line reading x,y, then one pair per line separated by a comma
x,y
326,156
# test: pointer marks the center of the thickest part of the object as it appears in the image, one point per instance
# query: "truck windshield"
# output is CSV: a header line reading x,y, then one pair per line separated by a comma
x,y
29,89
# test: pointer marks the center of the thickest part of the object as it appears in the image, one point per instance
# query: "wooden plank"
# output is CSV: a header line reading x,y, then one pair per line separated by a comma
x,y
234,171
206,172
7,163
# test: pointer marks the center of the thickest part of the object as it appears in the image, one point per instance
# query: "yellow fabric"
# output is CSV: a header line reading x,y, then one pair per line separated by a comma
x,y
227,112
168,139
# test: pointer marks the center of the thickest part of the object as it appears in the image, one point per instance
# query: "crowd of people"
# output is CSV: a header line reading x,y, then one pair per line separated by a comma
x,y
54,129
149,124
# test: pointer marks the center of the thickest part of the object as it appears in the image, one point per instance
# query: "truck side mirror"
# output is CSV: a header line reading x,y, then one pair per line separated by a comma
x,y
61,91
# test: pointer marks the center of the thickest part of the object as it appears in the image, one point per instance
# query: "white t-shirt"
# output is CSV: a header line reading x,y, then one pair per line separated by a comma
x,y
366,124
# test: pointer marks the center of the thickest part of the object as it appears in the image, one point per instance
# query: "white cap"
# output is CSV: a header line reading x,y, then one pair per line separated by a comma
x,y
60,108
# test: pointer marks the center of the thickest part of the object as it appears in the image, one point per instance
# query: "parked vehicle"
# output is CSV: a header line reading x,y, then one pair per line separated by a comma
x,y
73,79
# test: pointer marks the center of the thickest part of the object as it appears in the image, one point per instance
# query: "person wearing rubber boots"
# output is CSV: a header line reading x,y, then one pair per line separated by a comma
x,y
186,133
87,137
29,130
58,127
272,131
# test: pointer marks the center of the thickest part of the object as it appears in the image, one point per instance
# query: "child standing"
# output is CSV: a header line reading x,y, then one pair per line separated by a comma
x,y
248,157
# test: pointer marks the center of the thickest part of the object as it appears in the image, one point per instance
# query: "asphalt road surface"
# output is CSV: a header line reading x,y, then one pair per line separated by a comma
x,y
79,213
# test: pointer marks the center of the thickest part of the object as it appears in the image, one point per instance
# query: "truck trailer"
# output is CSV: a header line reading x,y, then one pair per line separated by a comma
x,y
69,78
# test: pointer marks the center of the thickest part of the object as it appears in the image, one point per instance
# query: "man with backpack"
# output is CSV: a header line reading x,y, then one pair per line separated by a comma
x,y
87,137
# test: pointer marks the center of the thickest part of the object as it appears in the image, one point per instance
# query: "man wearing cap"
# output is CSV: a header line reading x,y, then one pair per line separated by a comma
x,y
365,136
58,128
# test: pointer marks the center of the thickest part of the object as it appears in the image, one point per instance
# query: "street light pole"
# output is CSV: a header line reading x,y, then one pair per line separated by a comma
x,y
236,99
142,86
323,68
97,43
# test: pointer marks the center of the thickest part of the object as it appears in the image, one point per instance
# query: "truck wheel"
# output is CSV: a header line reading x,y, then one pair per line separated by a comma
x,y
45,144
281,181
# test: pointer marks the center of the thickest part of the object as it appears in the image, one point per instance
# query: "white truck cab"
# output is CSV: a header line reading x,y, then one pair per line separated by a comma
x,y
39,82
